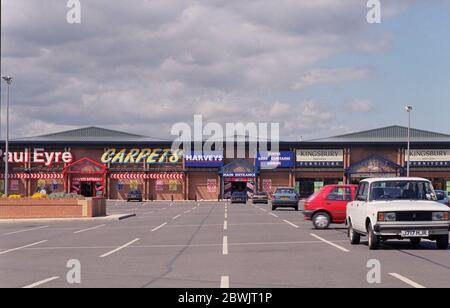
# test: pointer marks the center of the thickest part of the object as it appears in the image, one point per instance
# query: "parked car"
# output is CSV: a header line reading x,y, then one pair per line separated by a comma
x,y
443,197
397,208
329,205
260,197
285,197
239,197
134,195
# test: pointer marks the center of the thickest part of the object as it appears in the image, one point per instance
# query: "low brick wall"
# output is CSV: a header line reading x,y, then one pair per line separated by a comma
x,y
52,208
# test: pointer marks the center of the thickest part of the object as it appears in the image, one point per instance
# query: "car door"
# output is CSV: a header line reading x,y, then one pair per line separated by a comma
x,y
336,202
358,209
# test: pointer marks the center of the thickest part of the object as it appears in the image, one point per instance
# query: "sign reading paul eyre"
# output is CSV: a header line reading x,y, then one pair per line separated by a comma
x,y
430,158
320,158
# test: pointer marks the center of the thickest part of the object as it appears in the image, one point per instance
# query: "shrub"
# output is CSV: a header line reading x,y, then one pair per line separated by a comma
x,y
61,195
39,196
15,197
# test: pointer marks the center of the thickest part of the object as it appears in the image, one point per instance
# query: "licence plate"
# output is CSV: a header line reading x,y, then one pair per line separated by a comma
x,y
284,198
416,233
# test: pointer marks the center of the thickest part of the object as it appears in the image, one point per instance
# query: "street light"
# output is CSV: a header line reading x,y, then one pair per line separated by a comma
x,y
409,110
8,80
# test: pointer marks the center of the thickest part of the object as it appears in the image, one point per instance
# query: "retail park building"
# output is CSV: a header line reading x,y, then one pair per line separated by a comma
x,y
95,161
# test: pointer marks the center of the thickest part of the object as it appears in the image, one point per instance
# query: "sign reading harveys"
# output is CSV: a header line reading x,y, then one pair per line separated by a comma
x,y
38,156
136,156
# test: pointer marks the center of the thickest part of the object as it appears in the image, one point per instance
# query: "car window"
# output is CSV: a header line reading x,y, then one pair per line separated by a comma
x,y
363,191
284,191
402,190
340,194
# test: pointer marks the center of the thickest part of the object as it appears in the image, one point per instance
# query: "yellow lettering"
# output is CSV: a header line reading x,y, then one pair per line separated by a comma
x,y
131,157
119,157
107,156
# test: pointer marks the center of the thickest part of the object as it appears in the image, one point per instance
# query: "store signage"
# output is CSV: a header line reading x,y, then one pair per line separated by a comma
x,y
430,158
38,156
87,179
204,160
136,156
273,160
320,158
240,174
211,185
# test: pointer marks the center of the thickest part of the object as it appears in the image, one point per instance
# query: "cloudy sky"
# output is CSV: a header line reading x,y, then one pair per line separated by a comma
x,y
316,67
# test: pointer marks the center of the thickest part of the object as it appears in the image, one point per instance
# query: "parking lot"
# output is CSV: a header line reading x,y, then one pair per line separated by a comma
x,y
207,245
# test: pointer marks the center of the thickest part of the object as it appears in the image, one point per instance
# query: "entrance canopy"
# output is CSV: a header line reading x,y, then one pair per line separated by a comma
x,y
86,166
239,168
374,166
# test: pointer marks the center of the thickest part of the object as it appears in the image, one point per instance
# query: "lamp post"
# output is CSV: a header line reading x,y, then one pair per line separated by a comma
x,y
8,81
409,109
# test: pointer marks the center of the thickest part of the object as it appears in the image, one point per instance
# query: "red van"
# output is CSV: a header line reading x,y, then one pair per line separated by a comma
x,y
329,205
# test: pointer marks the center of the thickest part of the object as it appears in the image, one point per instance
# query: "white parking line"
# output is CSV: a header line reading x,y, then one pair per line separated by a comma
x,y
290,223
187,212
39,283
159,227
146,213
225,225
225,246
226,215
89,229
119,248
329,243
407,281
22,247
26,230
225,282
272,214
176,217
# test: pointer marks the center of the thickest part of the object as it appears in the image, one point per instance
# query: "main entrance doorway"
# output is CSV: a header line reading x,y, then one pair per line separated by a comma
x,y
86,177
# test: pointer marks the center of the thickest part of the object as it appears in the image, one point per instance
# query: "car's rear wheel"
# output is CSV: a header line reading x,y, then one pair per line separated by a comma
x,y
415,241
321,220
274,208
355,238
374,240
442,242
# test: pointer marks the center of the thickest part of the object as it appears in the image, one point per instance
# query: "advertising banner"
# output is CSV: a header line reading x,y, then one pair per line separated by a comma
x,y
212,185
159,185
267,185
204,160
173,185
430,158
273,160
320,158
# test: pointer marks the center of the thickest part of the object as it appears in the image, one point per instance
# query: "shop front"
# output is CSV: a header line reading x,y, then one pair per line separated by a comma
x,y
239,175
371,167
275,170
86,177
433,164
316,168
202,175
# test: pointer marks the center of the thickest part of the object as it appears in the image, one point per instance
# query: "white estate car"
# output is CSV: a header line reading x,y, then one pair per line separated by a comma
x,y
397,208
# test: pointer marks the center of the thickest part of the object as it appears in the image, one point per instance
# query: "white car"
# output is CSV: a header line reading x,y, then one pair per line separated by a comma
x,y
397,208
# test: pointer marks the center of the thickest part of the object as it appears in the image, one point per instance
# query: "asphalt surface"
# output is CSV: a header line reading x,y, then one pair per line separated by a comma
x,y
207,245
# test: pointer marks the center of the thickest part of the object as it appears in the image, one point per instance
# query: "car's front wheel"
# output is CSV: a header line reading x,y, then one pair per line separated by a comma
x,y
321,221
355,238
442,242
374,240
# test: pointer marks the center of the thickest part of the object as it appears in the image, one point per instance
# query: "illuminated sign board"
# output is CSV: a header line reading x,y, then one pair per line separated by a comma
x,y
136,156
204,160
320,158
38,156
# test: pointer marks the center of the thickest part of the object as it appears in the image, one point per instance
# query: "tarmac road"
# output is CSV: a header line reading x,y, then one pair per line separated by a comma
x,y
207,245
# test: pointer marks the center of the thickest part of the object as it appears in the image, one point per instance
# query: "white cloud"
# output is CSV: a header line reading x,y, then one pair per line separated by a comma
x,y
358,105
329,76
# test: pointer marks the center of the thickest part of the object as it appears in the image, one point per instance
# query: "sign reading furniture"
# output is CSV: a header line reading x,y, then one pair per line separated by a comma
x,y
320,158
136,156
430,158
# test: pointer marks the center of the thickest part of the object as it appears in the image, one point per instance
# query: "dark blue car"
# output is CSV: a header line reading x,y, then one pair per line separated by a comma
x,y
134,195
239,197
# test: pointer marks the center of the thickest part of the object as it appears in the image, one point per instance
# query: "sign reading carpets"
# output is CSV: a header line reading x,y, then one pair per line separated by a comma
x,y
211,185
136,156
205,160
273,160
430,158
320,158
